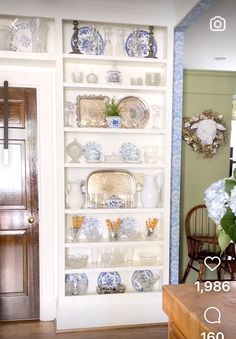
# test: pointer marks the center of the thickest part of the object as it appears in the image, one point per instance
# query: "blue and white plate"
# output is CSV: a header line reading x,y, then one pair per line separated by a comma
x,y
129,229
143,40
21,40
93,152
90,41
130,153
92,229
75,277
109,279
144,274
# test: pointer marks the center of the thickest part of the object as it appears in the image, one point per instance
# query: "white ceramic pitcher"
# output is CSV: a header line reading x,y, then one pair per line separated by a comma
x,y
74,197
152,185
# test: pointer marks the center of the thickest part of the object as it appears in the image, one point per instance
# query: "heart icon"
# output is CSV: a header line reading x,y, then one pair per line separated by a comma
x,y
212,260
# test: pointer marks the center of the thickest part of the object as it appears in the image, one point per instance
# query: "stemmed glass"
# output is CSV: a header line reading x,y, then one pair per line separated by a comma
x,y
155,116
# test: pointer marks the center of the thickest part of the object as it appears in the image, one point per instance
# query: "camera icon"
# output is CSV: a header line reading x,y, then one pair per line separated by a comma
x,y
217,24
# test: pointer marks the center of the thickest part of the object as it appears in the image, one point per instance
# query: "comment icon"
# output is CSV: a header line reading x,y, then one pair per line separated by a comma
x,y
212,315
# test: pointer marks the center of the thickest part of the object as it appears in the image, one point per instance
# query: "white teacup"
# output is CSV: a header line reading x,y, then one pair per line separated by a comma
x,y
77,76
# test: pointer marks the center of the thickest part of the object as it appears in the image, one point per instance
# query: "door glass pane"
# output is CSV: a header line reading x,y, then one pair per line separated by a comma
x,y
12,178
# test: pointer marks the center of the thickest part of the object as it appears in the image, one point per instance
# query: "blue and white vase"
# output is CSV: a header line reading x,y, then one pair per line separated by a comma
x,y
113,122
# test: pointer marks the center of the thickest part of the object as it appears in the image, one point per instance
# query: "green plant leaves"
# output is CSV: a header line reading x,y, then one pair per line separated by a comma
x,y
224,240
228,223
229,185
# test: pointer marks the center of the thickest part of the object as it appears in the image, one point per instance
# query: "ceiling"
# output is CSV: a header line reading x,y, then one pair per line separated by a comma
x,y
202,45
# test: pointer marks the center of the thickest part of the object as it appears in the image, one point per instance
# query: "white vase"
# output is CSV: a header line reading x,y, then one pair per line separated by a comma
x,y
74,197
151,190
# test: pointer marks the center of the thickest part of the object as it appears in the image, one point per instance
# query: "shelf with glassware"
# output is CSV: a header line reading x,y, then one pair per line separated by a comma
x,y
27,38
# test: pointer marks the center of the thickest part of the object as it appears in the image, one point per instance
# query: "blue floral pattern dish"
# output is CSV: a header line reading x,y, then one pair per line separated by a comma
x,y
90,41
75,277
129,229
109,279
143,274
93,152
91,229
143,37
130,153
21,40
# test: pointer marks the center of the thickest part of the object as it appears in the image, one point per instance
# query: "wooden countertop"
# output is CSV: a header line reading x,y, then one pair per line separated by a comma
x,y
185,308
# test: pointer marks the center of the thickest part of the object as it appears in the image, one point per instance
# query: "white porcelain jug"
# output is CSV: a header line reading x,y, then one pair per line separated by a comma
x,y
74,197
151,190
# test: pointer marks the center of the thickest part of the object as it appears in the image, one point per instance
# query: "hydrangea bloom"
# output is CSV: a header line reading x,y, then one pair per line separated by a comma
x,y
217,200
232,201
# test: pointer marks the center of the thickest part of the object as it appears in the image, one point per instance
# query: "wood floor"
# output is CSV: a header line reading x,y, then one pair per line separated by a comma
x,y
46,330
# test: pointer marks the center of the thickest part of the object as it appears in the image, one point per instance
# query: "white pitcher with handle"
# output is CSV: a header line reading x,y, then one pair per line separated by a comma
x,y
74,197
152,185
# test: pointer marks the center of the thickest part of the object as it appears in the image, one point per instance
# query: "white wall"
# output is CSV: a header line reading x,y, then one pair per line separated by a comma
x,y
202,45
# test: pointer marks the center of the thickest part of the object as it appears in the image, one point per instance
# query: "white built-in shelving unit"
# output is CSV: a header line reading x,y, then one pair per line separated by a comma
x,y
131,307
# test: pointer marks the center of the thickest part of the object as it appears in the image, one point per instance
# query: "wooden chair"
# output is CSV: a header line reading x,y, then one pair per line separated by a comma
x,y
202,242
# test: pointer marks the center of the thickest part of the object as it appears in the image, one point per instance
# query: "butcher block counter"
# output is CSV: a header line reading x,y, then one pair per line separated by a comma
x,y
185,307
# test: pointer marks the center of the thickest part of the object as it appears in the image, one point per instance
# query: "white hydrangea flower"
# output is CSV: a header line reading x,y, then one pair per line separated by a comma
x,y
217,200
232,201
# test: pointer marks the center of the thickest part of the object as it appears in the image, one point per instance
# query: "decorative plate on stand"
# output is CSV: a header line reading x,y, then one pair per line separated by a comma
x,y
143,40
21,40
144,274
90,41
109,279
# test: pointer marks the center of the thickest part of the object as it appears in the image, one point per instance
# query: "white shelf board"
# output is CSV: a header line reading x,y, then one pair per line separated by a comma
x,y
107,243
117,87
112,165
113,210
124,268
105,59
27,56
115,295
115,130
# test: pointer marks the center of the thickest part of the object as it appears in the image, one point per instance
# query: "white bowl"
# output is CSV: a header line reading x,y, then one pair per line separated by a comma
x,y
76,260
147,257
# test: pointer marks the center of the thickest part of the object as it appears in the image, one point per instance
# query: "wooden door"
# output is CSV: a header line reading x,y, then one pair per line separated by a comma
x,y
19,236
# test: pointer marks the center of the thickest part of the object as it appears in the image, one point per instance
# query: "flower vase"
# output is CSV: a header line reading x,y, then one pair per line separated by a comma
x,y
120,43
113,235
39,28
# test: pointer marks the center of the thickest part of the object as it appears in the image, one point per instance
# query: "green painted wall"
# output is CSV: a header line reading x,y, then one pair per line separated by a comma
x,y
203,90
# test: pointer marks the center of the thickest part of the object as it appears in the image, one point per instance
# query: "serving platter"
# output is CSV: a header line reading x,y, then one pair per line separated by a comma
x,y
90,110
108,183
134,112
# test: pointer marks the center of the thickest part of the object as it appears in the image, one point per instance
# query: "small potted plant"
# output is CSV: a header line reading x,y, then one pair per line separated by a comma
x,y
112,113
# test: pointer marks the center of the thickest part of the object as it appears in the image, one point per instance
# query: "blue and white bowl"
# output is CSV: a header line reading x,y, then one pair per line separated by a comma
x,y
113,122
114,202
